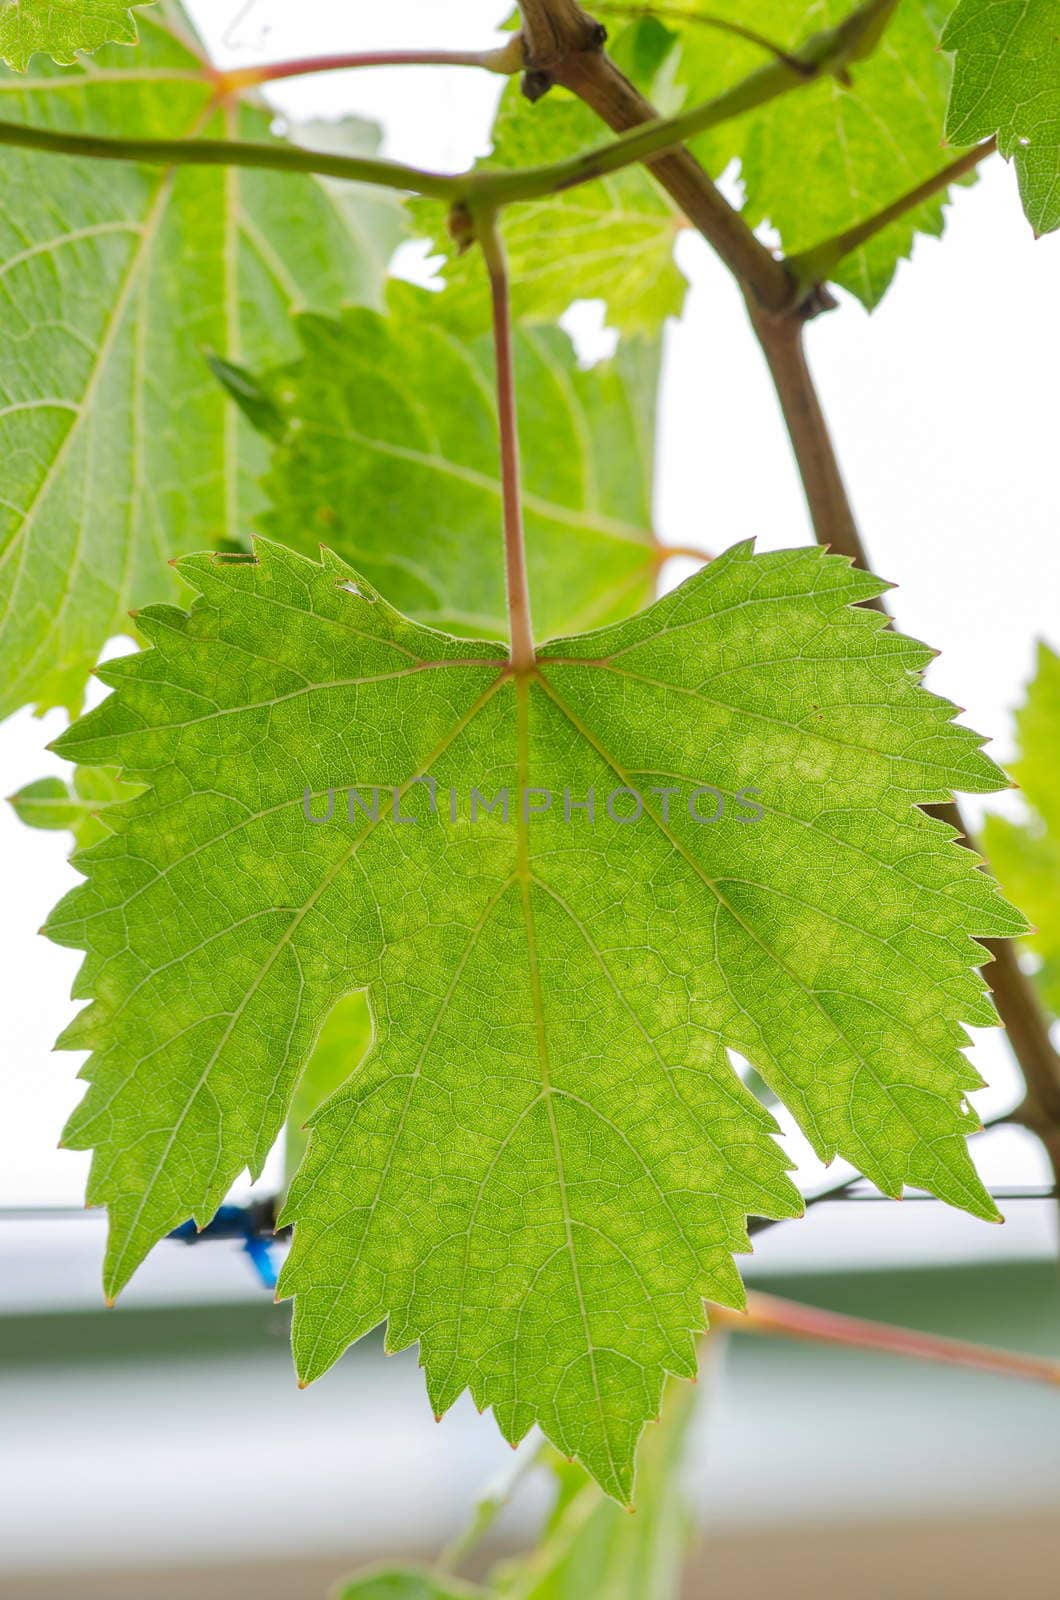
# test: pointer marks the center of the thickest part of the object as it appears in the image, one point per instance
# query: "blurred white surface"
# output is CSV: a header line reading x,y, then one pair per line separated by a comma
x,y
197,1460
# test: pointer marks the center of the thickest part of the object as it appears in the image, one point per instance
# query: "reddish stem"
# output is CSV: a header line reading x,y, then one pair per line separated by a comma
x,y
507,59
767,1313
522,638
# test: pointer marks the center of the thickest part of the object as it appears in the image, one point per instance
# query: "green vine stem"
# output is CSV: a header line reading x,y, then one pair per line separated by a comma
x,y
704,19
488,1507
812,266
826,53
376,171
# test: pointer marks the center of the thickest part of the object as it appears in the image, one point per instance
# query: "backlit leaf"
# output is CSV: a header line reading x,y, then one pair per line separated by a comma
x,y
546,1161
590,1546
1007,81
79,807
119,450
60,28
829,154
612,240
389,455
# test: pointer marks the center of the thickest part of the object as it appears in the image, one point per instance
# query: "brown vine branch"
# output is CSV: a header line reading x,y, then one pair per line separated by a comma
x,y
564,45
781,339
522,635
770,1314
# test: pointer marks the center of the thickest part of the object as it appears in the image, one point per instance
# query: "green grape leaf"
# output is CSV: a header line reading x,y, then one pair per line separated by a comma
x,y
390,423
1026,856
407,1583
118,448
544,1165
60,28
611,240
1007,81
828,155
79,806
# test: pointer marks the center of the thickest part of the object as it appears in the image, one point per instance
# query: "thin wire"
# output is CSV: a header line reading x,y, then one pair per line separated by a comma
x,y
1018,1192
840,1197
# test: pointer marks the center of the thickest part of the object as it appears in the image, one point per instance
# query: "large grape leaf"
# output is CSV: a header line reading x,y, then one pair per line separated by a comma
x,y
1026,856
611,240
544,1164
389,423
61,28
1007,81
118,448
829,154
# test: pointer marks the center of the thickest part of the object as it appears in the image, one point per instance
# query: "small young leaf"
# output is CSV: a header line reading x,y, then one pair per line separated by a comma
x,y
546,1161
61,28
79,806
1026,856
389,456
1007,81
118,448
249,394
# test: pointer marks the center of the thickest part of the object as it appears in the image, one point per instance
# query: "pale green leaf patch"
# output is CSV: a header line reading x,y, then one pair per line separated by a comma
x,y
610,240
60,28
545,1163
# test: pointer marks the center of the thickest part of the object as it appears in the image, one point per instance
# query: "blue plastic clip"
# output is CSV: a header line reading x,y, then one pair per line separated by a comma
x,y
237,1222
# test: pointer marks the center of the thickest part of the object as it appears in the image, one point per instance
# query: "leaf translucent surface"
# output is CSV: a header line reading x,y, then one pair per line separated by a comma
x,y
546,1161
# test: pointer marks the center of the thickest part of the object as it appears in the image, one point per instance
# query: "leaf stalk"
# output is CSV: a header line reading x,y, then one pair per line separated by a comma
x,y
522,638
506,59
770,1314
809,267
